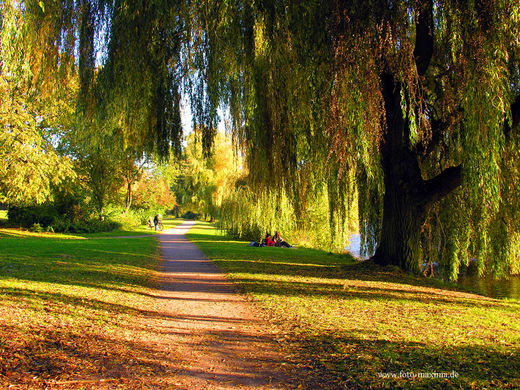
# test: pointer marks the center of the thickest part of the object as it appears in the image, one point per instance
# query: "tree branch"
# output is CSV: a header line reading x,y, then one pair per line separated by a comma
x,y
515,116
442,184
423,51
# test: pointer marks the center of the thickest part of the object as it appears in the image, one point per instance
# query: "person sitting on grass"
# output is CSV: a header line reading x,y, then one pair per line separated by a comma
x,y
279,241
268,241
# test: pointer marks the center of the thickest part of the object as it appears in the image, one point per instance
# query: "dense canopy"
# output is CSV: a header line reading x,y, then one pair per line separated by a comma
x,y
413,107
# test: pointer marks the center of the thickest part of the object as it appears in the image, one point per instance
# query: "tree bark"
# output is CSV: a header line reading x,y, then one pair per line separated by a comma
x,y
515,117
128,200
399,243
406,201
407,196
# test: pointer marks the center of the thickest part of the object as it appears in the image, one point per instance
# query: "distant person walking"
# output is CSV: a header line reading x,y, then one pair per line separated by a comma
x,y
157,222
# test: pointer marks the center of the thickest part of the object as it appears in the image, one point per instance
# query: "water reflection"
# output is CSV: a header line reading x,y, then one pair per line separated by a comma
x,y
491,287
354,247
488,286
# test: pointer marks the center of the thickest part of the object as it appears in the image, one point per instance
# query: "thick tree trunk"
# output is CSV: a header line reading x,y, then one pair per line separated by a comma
x,y
403,206
407,196
403,213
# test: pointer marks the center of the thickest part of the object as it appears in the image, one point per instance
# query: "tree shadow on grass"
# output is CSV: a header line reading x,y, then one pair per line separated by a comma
x,y
97,275
49,357
344,282
57,355
366,293
51,300
119,266
236,256
358,363
59,303
328,361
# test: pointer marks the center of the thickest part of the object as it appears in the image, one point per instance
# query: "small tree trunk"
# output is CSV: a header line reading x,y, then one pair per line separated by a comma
x,y
128,200
101,216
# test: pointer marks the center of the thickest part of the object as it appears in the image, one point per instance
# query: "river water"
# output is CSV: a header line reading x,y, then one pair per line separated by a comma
x,y
491,287
488,286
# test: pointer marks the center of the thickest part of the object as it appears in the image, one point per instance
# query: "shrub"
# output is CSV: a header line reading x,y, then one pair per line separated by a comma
x,y
190,215
26,217
37,228
61,225
130,220
47,218
91,226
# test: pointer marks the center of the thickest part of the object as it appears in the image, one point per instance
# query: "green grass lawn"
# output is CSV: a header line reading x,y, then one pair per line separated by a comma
x,y
69,307
357,326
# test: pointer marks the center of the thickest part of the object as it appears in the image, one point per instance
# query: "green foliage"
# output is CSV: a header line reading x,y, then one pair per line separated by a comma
x,y
36,228
142,97
133,219
152,192
202,183
249,215
44,215
29,164
32,106
214,187
307,85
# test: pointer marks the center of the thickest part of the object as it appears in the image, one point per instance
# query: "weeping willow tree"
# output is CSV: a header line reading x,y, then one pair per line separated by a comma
x,y
419,98
413,106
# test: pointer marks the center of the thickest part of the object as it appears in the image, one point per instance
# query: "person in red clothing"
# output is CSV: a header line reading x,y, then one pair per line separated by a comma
x,y
268,241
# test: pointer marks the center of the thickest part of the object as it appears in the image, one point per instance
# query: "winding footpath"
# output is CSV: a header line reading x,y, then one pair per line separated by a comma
x,y
221,339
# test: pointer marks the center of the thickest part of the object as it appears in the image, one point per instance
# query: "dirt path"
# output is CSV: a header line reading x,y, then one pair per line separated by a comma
x,y
221,339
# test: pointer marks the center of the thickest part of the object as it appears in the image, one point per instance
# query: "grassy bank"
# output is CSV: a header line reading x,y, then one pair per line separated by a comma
x,y
73,308
357,326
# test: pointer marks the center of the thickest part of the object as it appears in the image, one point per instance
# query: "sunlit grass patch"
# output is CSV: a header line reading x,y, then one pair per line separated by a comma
x,y
76,308
358,326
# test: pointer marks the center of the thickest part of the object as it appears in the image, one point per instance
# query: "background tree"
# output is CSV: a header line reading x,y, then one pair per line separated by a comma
x,y
203,181
131,167
152,194
101,177
29,163
32,111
